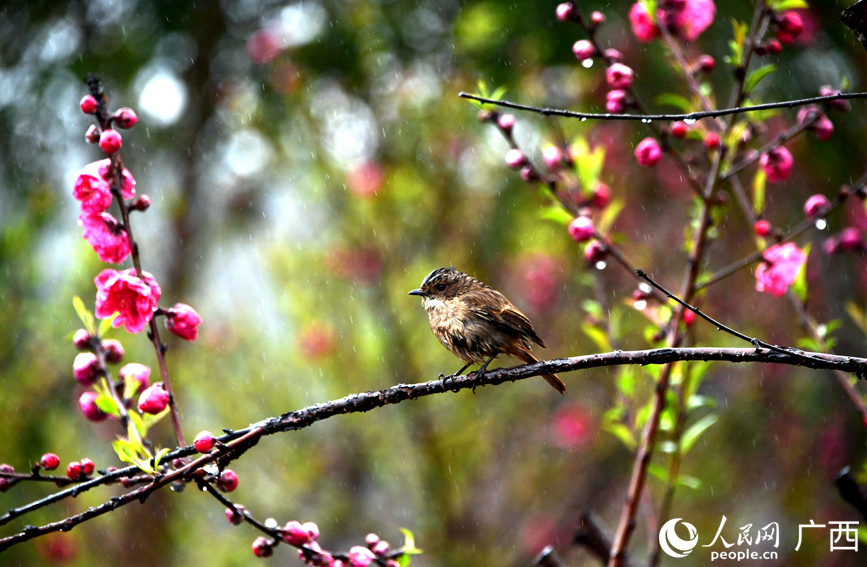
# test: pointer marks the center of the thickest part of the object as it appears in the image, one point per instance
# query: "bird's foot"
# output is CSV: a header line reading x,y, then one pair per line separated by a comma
x,y
446,380
478,375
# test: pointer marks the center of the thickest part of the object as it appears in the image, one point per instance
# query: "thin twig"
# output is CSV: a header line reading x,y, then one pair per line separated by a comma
x,y
647,117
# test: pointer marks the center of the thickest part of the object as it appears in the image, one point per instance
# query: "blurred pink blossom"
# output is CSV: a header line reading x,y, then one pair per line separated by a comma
x,y
780,269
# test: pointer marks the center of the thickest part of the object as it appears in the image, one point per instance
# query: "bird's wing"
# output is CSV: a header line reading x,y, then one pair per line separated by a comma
x,y
491,305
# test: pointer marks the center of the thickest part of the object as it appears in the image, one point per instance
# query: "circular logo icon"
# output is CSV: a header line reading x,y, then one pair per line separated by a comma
x,y
674,545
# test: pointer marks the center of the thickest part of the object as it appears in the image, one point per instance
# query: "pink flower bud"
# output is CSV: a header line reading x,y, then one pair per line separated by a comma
x,y
840,104
515,158
295,534
49,461
113,350
678,129
73,470
706,63
850,240
262,547
823,127
552,156
565,11
92,135
790,25
125,118
506,122
615,101
619,76
228,480
87,403
142,203
688,318
136,372
711,141
360,556
381,548
110,141
597,18
816,206
642,23
648,153
529,174
601,195
87,466
371,540
204,442
183,321
153,400
581,229
777,164
612,55
235,518
762,228
86,368
312,530
583,49
775,47
595,251
81,339
808,113
88,104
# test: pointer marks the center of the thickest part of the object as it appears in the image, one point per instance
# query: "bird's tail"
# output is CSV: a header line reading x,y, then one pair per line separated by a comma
x,y
552,379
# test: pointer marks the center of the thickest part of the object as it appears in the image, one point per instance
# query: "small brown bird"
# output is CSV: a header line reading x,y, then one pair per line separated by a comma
x,y
476,322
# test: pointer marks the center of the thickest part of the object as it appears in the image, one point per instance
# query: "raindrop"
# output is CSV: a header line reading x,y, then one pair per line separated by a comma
x,y
587,63
645,121
689,121
270,523
640,304
600,265
645,287
821,224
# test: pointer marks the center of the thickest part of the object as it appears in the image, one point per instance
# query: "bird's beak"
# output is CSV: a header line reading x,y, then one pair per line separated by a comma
x,y
416,292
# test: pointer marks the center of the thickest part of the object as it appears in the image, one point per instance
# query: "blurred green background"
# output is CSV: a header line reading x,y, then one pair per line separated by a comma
x,y
309,163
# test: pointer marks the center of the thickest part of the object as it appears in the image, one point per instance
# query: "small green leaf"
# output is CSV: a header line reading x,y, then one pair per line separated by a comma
x,y
139,424
105,402
696,402
754,78
556,214
105,325
691,435
588,162
759,182
799,288
149,420
783,5
610,214
598,337
626,381
593,308
689,481
83,314
409,549
159,456
677,101
623,433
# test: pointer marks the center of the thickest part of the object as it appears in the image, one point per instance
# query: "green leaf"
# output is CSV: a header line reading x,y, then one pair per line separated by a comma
x,y
556,214
650,6
105,402
689,481
691,435
622,432
588,162
626,381
149,420
136,420
598,337
105,325
677,101
857,316
782,5
759,182
409,549
610,214
131,388
696,402
593,308
809,343
159,456
799,288
754,78
83,314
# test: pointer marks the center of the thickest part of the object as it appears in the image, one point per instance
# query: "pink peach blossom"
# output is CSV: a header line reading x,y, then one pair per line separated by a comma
x,y
134,298
777,164
780,269
109,241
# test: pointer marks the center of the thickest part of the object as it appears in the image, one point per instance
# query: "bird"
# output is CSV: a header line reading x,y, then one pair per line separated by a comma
x,y
476,322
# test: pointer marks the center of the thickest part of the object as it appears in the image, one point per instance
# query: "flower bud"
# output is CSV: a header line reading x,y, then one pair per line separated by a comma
x,y
228,480
678,129
371,540
4,484
597,18
823,127
125,118
595,251
142,203
840,104
601,195
775,47
87,466
506,122
381,548
515,158
6,468
583,49
312,530
183,321
762,228
581,229
136,372
262,547
92,135
73,470
711,141
790,25
706,63
88,105
204,442
113,350
86,368
153,400
552,156
648,153
49,461
81,339
87,403
619,76
360,556
235,518
295,534
615,101
612,55
565,11
110,141
777,164
688,317
816,206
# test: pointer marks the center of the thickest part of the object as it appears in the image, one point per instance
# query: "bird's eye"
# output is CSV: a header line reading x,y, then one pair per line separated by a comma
x,y
441,287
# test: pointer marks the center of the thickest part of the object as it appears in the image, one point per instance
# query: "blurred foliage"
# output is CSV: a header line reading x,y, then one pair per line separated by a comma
x,y
309,163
